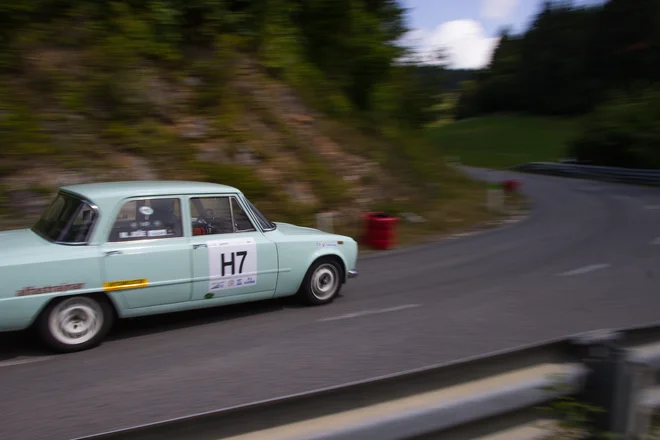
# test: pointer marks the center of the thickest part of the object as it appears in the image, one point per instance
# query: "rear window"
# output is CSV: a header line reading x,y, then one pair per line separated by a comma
x,y
68,220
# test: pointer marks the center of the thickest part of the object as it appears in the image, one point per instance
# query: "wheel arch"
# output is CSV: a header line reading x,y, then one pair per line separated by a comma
x,y
337,258
322,257
97,294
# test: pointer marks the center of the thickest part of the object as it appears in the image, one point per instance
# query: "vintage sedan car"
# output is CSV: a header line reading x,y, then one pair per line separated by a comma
x,y
103,251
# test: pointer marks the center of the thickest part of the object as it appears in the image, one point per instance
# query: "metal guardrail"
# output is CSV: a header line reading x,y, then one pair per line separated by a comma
x,y
494,396
608,174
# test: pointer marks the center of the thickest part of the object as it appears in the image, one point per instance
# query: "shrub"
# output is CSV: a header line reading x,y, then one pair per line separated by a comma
x,y
622,132
241,177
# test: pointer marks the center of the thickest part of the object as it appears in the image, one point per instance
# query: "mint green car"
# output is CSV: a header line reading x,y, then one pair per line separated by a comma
x,y
106,251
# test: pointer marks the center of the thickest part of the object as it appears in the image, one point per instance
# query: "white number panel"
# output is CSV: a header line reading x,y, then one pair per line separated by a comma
x,y
232,263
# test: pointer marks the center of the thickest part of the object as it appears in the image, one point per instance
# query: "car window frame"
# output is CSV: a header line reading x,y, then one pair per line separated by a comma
x,y
247,214
255,227
123,202
248,205
82,202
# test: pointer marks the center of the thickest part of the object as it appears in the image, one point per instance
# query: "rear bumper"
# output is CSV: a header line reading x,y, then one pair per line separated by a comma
x,y
352,273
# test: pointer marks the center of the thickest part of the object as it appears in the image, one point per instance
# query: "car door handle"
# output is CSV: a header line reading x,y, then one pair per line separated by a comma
x,y
199,245
109,253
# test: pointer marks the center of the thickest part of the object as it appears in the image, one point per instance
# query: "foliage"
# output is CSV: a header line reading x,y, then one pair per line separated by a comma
x,y
349,46
622,132
573,417
20,133
452,78
569,59
101,86
243,178
97,62
4,201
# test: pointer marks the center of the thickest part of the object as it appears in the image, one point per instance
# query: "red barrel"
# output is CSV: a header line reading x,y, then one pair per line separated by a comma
x,y
511,185
380,230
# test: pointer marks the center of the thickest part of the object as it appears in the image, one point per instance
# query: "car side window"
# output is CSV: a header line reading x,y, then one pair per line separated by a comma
x,y
147,219
218,215
82,225
241,219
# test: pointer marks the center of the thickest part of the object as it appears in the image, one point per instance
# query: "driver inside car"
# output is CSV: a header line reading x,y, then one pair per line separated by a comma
x,y
211,221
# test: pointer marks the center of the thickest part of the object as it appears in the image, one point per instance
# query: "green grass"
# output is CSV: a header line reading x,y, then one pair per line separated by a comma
x,y
505,140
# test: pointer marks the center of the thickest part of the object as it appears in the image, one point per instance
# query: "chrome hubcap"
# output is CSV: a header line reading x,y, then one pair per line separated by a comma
x,y
325,281
75,320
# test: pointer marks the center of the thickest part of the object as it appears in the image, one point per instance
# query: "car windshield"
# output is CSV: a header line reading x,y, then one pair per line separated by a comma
x,y
263,221
68,220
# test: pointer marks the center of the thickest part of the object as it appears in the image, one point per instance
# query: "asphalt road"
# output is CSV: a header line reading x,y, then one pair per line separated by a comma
x,y
586,258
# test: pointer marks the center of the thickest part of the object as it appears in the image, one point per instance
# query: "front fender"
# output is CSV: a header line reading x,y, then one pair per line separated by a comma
x,y
295,260
325,253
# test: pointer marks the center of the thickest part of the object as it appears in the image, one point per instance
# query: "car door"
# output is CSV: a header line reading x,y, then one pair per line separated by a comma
x,y
230,255
146,256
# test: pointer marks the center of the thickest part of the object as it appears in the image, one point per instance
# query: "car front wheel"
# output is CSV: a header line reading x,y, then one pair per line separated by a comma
x,y
75,323
322,282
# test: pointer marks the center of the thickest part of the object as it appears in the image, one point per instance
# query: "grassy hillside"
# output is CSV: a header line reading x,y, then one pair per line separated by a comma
x,y
253,96
505,140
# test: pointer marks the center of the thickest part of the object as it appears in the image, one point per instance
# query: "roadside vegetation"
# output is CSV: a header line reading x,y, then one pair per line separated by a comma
x,y
571,419
594,67
302,105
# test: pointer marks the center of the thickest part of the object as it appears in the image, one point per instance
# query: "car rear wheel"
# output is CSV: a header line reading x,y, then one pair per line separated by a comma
x,y
75,323
322,283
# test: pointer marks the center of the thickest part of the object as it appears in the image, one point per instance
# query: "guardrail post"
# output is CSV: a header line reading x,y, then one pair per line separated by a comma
x,y
608,384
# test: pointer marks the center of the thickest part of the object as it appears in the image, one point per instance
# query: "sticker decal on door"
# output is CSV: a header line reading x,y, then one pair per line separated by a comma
x,y
232,263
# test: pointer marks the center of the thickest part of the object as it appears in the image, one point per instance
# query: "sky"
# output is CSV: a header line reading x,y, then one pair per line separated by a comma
x,y
467,29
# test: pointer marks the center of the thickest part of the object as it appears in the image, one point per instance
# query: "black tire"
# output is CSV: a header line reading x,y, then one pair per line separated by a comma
x,y
75,313
322,283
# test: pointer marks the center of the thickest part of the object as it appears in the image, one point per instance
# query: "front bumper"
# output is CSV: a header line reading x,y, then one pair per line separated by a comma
x,y
352,273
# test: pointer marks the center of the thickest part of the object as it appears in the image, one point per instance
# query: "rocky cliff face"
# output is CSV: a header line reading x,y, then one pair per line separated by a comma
x,y
265,131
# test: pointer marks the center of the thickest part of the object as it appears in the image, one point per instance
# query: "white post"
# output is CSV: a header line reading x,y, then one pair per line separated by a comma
x,y
324,222
495,199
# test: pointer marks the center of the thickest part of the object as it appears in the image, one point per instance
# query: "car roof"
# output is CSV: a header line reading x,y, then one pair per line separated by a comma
x,y
144,188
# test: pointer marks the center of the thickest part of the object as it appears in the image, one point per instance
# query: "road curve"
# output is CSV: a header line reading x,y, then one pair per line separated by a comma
x,y
587,258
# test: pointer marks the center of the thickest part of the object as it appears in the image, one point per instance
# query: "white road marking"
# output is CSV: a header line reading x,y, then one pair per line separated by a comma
x,y
19,361
656,241
370,312
584,269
